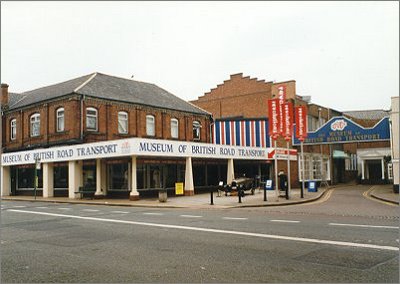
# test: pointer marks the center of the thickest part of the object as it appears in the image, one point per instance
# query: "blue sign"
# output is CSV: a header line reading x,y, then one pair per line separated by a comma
x,y
340,129
269,185
312,187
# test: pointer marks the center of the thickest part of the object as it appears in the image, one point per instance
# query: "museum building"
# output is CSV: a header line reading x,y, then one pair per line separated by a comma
x,y
121,137
341,146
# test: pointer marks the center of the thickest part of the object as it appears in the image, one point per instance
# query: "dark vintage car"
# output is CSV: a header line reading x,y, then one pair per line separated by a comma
x,y
241,184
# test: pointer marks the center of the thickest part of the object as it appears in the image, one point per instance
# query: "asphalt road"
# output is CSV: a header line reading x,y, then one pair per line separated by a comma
x,y
344,237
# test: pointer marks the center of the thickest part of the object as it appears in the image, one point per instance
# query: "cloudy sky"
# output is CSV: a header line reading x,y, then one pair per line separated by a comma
x,y
344,55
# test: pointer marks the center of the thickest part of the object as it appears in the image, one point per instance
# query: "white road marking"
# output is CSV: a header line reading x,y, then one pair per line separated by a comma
x,y
199,229
285,221
122,212
41,207
151,213
234,218
364,226
19,206
90,210
63,208
191,216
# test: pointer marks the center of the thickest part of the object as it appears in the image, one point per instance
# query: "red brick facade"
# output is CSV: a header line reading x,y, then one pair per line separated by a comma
x,y
107,118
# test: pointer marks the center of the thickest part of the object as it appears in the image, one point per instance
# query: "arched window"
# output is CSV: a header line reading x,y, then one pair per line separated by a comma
x,y
91,119
13,129
122,122
60,120
174,128
35,125
196,130
150,127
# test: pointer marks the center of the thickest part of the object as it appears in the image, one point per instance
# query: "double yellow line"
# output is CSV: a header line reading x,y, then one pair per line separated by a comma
x,y
367,193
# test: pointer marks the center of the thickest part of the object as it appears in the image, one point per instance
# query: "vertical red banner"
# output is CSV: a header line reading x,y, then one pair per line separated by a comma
x,y
273,120
301,122
282,100
287,121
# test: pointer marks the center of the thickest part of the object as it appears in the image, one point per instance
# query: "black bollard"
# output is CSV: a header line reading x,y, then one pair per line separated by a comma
x,y
287,193
265,194
212,197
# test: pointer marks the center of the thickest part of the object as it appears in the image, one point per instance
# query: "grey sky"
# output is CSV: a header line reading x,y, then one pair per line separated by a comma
x,y
345,55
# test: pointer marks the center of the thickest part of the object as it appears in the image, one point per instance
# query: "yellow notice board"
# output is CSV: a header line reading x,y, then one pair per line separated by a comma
x,y
179,188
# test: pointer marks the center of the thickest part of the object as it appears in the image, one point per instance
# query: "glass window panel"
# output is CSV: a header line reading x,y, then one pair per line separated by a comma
x,y
174,128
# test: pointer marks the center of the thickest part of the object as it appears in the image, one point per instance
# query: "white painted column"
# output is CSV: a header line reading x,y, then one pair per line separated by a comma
x,y
48,180
103,181
383,168
134,195
362,169
5,181
230,176
75,179
189,185
99,192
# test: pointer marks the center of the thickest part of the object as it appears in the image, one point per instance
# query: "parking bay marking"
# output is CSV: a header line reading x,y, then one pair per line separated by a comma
x,y
199,229
364,226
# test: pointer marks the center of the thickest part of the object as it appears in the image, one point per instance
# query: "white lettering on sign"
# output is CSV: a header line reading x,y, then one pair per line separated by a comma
x,y
135,147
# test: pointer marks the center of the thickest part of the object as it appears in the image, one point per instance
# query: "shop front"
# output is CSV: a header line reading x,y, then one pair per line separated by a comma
x,y
128,168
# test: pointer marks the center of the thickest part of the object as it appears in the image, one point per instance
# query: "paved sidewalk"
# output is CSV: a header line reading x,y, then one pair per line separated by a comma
x,y
385,192
203,200
197,201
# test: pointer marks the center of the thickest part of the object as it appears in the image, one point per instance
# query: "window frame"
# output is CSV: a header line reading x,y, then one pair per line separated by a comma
x,y
13,129
196,125
174,126
58,128
150,116
126,120
34,119
92,116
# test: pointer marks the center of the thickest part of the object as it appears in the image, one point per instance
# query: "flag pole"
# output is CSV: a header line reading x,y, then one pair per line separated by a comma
x,y
276,173
288,166
302,168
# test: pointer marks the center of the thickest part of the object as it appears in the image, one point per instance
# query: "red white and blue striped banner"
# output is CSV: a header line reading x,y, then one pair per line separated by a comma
x,y
251,133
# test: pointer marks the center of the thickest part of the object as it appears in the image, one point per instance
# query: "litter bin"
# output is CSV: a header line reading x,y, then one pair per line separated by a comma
x,y
162,195
312,186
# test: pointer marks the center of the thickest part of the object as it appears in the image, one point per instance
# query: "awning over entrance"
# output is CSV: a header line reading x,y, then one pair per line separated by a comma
x,y
337,154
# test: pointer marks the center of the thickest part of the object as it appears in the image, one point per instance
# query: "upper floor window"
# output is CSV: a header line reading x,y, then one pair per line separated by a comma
x,y
196,130
35,125
91,119
60,119
174,128
122,122
13,128
150,127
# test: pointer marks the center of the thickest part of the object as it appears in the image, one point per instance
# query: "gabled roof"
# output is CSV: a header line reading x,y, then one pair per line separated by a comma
x,y
107,87
375,114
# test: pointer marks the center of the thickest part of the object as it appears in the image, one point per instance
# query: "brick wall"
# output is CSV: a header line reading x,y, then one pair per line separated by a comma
x,y
107,114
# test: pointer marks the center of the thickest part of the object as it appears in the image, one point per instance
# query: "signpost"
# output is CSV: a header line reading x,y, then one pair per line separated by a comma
x,y
36,180
301,134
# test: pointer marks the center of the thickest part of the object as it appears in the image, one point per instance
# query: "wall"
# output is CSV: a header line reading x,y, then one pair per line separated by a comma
x,y
107,123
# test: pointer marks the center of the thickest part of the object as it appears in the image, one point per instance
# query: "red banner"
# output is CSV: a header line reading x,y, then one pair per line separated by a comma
x,y
301,122
273,120
287,121
282,100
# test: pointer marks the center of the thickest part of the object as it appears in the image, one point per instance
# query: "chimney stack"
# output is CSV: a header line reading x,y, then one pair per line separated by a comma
x,y
4,95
